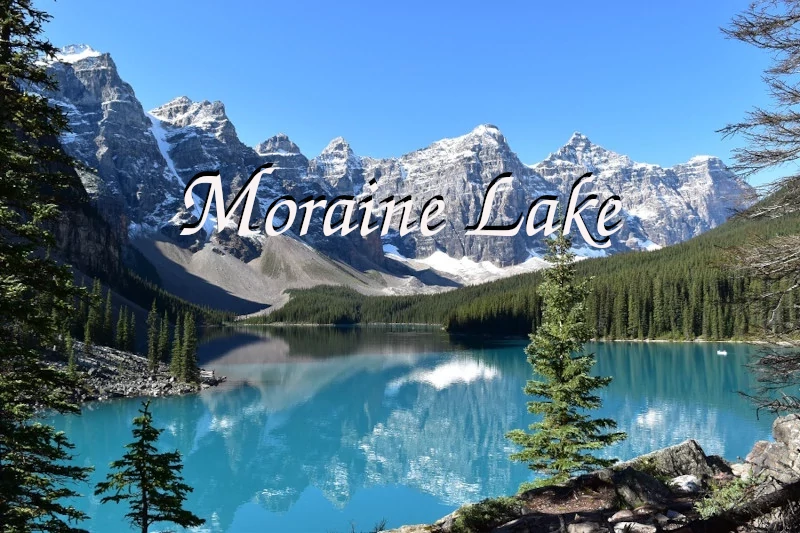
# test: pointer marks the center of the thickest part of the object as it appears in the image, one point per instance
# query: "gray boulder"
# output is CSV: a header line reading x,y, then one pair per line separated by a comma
x,y
635,489
686,458
779,460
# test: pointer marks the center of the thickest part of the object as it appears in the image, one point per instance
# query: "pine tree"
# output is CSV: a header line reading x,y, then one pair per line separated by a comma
x,y
121,334
69,348
92,331
190,372
108,325
149,482
557,445
35,460
78,320
59,346
88,332
176,361
163,339
152,338
130,342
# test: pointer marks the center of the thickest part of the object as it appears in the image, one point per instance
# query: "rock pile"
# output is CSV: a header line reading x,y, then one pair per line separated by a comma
x,y
107,373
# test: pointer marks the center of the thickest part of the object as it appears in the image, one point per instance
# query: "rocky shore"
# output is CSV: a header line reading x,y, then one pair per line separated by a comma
x,y
107,373
678,489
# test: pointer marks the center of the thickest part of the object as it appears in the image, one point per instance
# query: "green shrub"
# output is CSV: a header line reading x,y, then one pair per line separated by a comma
x,y
486,514
725,497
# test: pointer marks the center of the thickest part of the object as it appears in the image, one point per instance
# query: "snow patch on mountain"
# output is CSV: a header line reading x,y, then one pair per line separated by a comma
x,y
585,252
205,116
160,135
465,270
76,52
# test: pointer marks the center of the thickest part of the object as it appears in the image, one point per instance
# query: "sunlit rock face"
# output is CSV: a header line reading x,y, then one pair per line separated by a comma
x,y
669,205
111,133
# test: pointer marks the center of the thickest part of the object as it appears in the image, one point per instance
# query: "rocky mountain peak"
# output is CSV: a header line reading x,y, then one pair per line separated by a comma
x,y
207,116
277,144
182,102
579,150
182,111
485,139
705,160
338,165
337,146
487,130
169,112
579,141
482,135
72,53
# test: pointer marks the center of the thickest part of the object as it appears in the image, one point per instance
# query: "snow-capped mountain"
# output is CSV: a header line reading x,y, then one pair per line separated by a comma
x,y
670,205
142,161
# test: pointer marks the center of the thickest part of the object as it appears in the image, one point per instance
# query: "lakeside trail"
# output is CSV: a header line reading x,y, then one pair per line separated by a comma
x,y
108,373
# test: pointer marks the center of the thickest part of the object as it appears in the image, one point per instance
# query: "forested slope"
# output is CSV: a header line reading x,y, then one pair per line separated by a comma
x,y
685,291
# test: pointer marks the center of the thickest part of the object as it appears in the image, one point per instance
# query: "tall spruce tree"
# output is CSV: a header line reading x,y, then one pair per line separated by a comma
x,y
176,361
69,349
152,337
91,329
190,371
149,482
121,333
130,341
94,319
560,444
108,325
163,339
35,459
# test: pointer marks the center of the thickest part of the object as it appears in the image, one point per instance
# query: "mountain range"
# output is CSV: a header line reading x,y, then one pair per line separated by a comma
x,y
136,163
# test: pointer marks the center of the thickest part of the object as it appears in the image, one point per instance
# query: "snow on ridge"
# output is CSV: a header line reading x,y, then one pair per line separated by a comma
x,y
160,135
702,159
642,212
466,270
182,112
463,143
650,245
464,267
334,144
76,52
585,252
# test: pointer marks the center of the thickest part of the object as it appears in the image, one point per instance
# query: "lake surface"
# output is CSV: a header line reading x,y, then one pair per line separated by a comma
x,y
319,429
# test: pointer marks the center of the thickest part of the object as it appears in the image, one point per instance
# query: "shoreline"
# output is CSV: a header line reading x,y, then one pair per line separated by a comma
x,y
331,325
107,374
477,335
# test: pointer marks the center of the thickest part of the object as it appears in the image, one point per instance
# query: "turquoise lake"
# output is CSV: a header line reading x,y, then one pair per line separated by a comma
x,y
321,429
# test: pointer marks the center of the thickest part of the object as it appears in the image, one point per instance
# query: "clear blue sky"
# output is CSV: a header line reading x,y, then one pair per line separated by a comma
x,y
653,80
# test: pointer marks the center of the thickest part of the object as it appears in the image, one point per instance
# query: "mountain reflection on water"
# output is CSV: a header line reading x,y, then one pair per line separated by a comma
x,y
318,427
